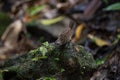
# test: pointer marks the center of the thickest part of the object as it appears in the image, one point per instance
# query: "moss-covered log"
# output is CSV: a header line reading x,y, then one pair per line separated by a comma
x,y
50,61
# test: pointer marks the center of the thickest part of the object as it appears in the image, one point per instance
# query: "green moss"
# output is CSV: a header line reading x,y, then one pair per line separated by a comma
x,y
56,60
41,52
47,78
85,58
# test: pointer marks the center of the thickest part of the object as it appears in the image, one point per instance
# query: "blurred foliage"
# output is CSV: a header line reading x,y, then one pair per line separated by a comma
x,y
112,7
116,40
1,77
47,78
36,9
100,61
51,21
4,22
106,1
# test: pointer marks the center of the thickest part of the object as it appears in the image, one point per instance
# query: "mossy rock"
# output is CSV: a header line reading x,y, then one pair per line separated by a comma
x,y
48,60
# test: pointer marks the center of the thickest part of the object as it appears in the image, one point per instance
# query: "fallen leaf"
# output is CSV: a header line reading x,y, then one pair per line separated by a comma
x,y
51,21
36,9
99,42
113,7
78,32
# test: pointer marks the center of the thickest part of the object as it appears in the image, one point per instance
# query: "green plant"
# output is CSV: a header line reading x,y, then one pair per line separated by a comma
x,y
112,7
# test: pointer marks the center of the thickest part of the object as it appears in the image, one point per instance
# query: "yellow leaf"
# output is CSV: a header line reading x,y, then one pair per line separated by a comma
x,y
99,42
78,31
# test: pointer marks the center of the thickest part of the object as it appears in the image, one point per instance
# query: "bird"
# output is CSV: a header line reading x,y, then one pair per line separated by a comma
x,y
66,35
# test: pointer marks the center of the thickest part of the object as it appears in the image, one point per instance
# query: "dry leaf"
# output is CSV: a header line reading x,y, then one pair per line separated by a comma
x,y
78,32
99,42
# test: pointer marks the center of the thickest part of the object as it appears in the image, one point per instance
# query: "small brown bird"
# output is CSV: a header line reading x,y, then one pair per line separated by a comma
x,y
66,35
